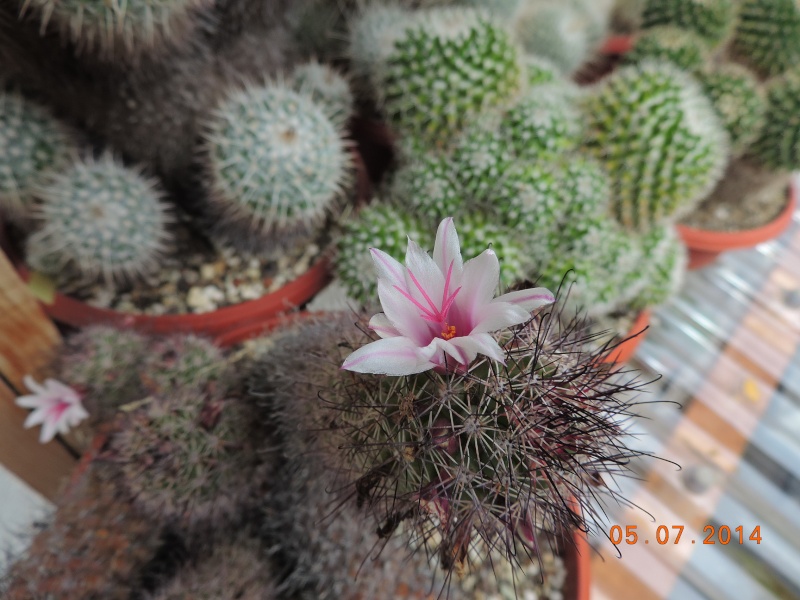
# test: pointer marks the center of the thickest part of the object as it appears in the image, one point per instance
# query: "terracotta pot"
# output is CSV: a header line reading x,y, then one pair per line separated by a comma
x,y
623,351
578,564
705,246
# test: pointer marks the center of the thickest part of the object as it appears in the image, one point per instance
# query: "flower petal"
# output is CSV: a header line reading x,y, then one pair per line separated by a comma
x,y
393,356
478,285
403,314
33,386
424,278
49,429
530,299
447,250
61,391
32,401
498,315
37,417
481,343
388,268
381,325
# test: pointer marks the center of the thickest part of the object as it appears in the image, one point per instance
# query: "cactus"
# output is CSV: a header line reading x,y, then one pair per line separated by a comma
x,y
499,9
104,364
540,70
768,35
372,38
95,546
739,101
36,147
664,266
545,123
182,362
479,232
452,66
182,459
778,145
528,199
327,87
711,20
480,157
658,136
488,454
117,29
377,226
428,186
683,47
232,569
277,163
102,218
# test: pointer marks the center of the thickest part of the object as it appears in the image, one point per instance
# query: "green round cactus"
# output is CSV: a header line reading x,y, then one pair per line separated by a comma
x,y
372,38
35,146
480,157
683,47
540,70
277,163
101,217
528,199
664,262
778,145
184,362
478,232
377,226
327,87
768,35
428,187
186,459
660,140
114,28
712,20
739,102
545,123
447,70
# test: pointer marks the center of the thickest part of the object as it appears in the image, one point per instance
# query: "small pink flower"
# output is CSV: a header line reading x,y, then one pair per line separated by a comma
x,y
57,407
439,309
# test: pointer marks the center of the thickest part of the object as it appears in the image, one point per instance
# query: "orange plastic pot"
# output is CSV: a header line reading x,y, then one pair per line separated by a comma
x,y
578,565
705,246
625,350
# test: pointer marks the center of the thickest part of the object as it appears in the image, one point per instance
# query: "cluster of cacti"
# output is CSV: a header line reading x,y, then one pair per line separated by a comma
x,y
711,20
420,453
768,35
102,218
36,146
182,362
327,87
683,47
277,163
660,139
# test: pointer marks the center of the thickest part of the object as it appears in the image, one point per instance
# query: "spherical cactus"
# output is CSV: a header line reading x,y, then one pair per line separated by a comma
x,y
277,163
36,146
479,159
479,232
116,28
711,20
768,35
183,362
778,145
187,459
104,365
95,546
372,38
101,217
658,136
234,569
683,47
540,70
428,187
448,69
585,191
327,87
528,199
739,101
664,261
545,123
377,226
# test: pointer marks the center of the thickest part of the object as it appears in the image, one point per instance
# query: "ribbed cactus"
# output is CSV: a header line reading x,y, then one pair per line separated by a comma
x,y
739,101
95,546
327,87
664,262
238,569
117,28
182,362
277,163
428,186
376,226
492,453
659,138
102,218
778,145
104,364
713,20
185,459
448,69
768,35
683,47
35,146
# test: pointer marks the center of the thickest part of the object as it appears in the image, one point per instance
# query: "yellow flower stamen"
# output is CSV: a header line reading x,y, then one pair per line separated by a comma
x,y
449,332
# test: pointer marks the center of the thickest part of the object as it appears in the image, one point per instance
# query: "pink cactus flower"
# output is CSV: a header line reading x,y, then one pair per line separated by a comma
x,y
57,407
440,312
